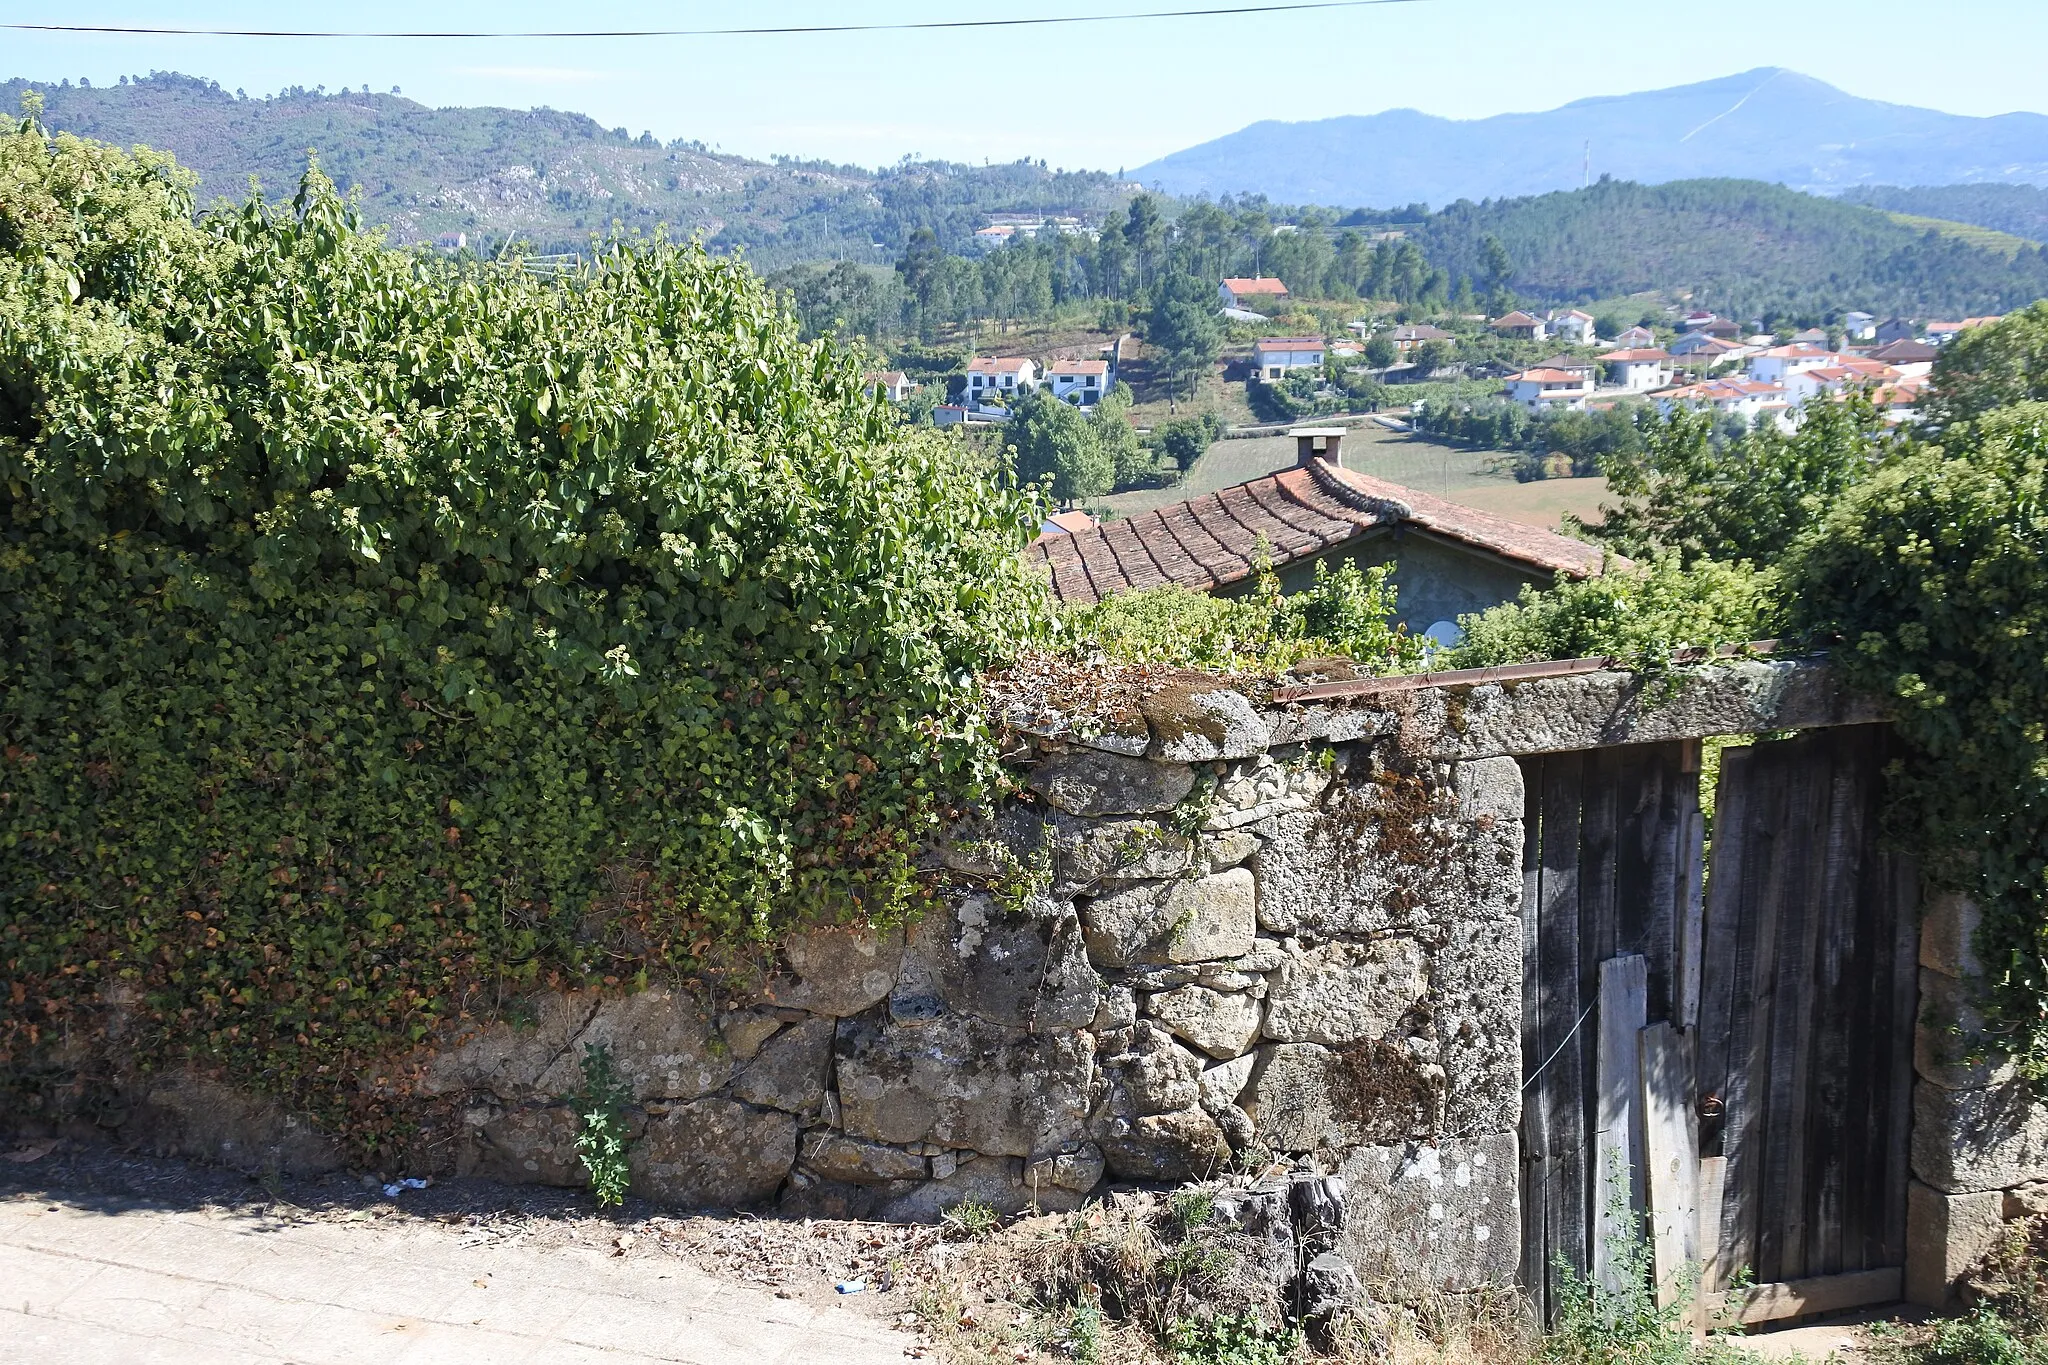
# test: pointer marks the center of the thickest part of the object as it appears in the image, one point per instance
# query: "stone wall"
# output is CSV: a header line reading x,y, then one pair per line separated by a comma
x,y
1980,1136
1207,934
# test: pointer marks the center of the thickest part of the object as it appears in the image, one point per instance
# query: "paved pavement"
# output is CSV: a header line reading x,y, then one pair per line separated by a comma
x,y
114,1283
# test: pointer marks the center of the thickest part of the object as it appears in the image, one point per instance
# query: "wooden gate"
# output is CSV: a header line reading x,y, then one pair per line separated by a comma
x,y
1611,860
1778,1008
1809,987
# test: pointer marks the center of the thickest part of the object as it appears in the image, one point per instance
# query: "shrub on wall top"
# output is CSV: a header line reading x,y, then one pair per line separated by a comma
x,y
370,619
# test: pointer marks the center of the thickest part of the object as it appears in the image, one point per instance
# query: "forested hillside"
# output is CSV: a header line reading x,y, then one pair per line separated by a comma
x,y
553,178
2021,210
1741,246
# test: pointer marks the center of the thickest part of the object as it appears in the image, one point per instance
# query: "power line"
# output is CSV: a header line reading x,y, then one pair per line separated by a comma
x,y
903,27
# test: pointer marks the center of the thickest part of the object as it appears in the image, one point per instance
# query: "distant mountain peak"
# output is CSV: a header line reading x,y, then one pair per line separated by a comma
x,y
1770,123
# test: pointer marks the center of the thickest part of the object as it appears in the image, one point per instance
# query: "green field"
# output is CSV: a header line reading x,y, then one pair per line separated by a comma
x,y
1990,239
1465,476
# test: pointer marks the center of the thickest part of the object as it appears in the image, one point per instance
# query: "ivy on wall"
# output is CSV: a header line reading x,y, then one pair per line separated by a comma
x,y
370,621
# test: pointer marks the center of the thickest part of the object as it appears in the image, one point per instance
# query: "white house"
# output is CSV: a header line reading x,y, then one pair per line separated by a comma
x,y
1004,376
1859,326
1803,386
1273,357
1080,382
1636,338
1547,390
1573,326
1245,293
1771,366
1638,370
1742,398
893,385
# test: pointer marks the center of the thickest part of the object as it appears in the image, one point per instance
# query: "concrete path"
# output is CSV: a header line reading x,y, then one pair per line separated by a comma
x,y
109,1284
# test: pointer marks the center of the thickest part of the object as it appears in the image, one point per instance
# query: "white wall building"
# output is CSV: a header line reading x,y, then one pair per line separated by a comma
x,y
1771,366
1080,382
1275,356
1638,370
1573,326
1004,376
1744,398
1245,293
1548,390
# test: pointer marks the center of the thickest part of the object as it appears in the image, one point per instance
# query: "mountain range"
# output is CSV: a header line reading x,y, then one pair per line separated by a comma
x,y
1768,124
552,178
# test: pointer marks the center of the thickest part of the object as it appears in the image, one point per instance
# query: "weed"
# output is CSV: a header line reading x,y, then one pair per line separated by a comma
x,y
601,1145
972,1219
1191,1208
1084,1330
1229,1339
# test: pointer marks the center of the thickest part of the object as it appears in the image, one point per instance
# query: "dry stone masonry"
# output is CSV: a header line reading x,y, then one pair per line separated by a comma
x,y
1206,936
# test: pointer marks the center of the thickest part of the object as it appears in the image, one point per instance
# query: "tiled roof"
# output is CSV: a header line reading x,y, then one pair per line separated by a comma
x,y
1263,286
1420,331
1904,352
1800,352
1635,355
1081,367
1516,319
1288,344
1001,364
1210,541
1543,376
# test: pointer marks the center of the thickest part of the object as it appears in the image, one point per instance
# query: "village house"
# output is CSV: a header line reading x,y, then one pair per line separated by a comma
x,y
1703,348
1080,382
1803,386
1410,335
1725,328
1771,366
1066,524
1896,402
1585,369
1520,326
1638,370
1859,326
1910,358
1744,398
1273,357
1811,336
1004,376
1636,338
1895,329
893,385
994,235
1546,390
1448,560
1573,327
1244,293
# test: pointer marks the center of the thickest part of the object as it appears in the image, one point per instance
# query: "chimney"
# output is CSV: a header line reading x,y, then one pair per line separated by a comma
x,y
1317,443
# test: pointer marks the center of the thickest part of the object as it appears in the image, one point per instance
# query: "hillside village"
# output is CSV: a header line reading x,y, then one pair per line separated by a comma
x,y
1074,777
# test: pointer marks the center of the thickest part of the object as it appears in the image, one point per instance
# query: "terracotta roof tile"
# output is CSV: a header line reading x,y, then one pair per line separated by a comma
x,y
1211,541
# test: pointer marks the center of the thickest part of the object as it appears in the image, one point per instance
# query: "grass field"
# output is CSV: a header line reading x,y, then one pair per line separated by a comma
x,y
1991,239
1465,476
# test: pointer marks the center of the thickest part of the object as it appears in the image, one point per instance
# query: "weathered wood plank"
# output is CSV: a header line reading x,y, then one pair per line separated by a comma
x,y
1740,937
1713,1172
1670,1157
1780,1300
1691,927
1617,1141
1803,770
1566,1079
1535,1127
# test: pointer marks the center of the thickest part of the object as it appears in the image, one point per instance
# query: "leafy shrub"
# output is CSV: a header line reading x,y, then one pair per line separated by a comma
x,y
972,1219
372,619
1347,611
1638,614
601,1143
1931,575
1229,1339
1184,439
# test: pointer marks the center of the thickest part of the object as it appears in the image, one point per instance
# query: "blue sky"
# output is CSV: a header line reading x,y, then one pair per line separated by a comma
x,y
1101,96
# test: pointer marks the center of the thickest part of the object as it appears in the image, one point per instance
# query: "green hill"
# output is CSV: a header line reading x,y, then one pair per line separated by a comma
x,y
2021,210
1738,246
553,178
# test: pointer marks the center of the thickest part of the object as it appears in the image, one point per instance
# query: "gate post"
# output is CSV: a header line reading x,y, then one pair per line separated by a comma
x,y
1980,1139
